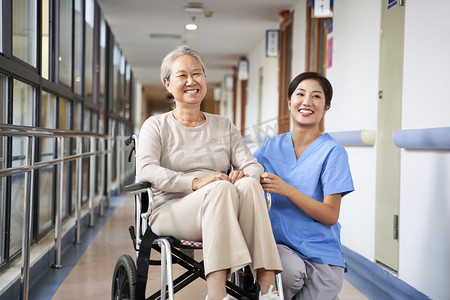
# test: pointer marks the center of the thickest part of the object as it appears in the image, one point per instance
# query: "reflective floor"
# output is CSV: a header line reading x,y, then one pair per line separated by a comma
x,y
90,277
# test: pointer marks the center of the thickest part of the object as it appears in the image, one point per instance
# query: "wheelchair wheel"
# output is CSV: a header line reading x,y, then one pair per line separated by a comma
x,y
124,279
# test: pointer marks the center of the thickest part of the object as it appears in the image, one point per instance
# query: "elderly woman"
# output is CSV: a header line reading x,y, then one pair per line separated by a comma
x,y
186,154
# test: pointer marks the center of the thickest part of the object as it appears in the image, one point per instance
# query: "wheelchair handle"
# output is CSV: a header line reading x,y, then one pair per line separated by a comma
x,y
129,140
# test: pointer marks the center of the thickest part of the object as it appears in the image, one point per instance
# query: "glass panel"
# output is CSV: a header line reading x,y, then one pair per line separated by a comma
x,y
77,108
64,120
64,114
74,187
48,108
47,178
94,125
113,133
127,98
45,40
2,214
25,30
120,102
116,96
18,154
48,120
89,46
78,47
22,102
86,147
86,119
85,180
66,189
2,155
1,50
17,200
47,182
102,79
3,99
65,42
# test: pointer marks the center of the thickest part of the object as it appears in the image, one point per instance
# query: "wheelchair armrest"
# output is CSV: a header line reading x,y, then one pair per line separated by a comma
x,y
137,187
268,200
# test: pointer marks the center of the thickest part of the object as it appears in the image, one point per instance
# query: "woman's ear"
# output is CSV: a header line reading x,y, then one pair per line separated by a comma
x,y
166,84
289,104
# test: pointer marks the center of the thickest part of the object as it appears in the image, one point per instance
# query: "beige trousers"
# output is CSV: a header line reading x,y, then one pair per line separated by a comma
x,y
230,219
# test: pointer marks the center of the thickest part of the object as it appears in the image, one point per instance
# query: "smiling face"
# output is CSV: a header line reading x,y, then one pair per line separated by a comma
x,y
187,82
307,103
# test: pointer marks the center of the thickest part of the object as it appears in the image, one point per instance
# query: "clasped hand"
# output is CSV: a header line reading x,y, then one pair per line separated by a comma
x,y
234,176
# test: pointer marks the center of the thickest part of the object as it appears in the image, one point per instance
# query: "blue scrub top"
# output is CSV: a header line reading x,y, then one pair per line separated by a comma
x,y
321,170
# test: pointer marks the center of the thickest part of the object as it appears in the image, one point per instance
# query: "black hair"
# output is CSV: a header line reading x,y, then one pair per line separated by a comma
x,y
324,83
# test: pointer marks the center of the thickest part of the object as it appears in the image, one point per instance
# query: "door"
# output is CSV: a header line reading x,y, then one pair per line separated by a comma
x,y
390,84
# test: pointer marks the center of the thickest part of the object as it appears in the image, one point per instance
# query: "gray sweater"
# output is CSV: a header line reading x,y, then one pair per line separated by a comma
x,y
170,155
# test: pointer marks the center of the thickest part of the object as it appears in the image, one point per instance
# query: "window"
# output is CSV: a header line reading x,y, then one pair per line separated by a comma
x,y
25,30
46,176
46,185
116,82
16,220
102,79
23,103
65,42
127,105
3,99
65,109
77,116
1,40
45,40
78,47
89,50
48,108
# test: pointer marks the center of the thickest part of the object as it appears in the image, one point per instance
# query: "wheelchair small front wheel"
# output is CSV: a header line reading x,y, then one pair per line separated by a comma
x,y
124,279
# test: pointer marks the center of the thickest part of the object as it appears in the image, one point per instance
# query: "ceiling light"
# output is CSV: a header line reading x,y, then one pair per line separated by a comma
x,y
191,26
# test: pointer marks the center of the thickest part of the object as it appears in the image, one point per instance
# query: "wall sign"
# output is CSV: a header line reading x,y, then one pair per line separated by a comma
x,y
322,8
272,42
391,3
243,69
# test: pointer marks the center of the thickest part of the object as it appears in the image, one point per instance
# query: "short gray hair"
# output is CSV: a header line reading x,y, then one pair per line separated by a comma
x,y
166,65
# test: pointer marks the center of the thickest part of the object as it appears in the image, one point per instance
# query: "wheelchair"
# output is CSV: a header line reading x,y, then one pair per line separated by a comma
x,y
130,278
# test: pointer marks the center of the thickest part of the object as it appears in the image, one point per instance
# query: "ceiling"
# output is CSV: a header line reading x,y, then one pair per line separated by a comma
x,y
230,33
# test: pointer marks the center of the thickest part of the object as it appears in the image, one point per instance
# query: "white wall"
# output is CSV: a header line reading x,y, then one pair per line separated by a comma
x,y
269,110
425,175
354,76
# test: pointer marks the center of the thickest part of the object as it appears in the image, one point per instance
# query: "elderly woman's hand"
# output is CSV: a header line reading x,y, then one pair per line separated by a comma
x,y
198,183
236,175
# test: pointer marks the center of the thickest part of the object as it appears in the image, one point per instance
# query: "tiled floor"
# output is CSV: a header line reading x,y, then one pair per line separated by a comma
x,y
91,277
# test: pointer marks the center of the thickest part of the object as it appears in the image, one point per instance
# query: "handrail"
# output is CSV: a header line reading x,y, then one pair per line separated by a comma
x,y
8,129
426,138
355,138
31,133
